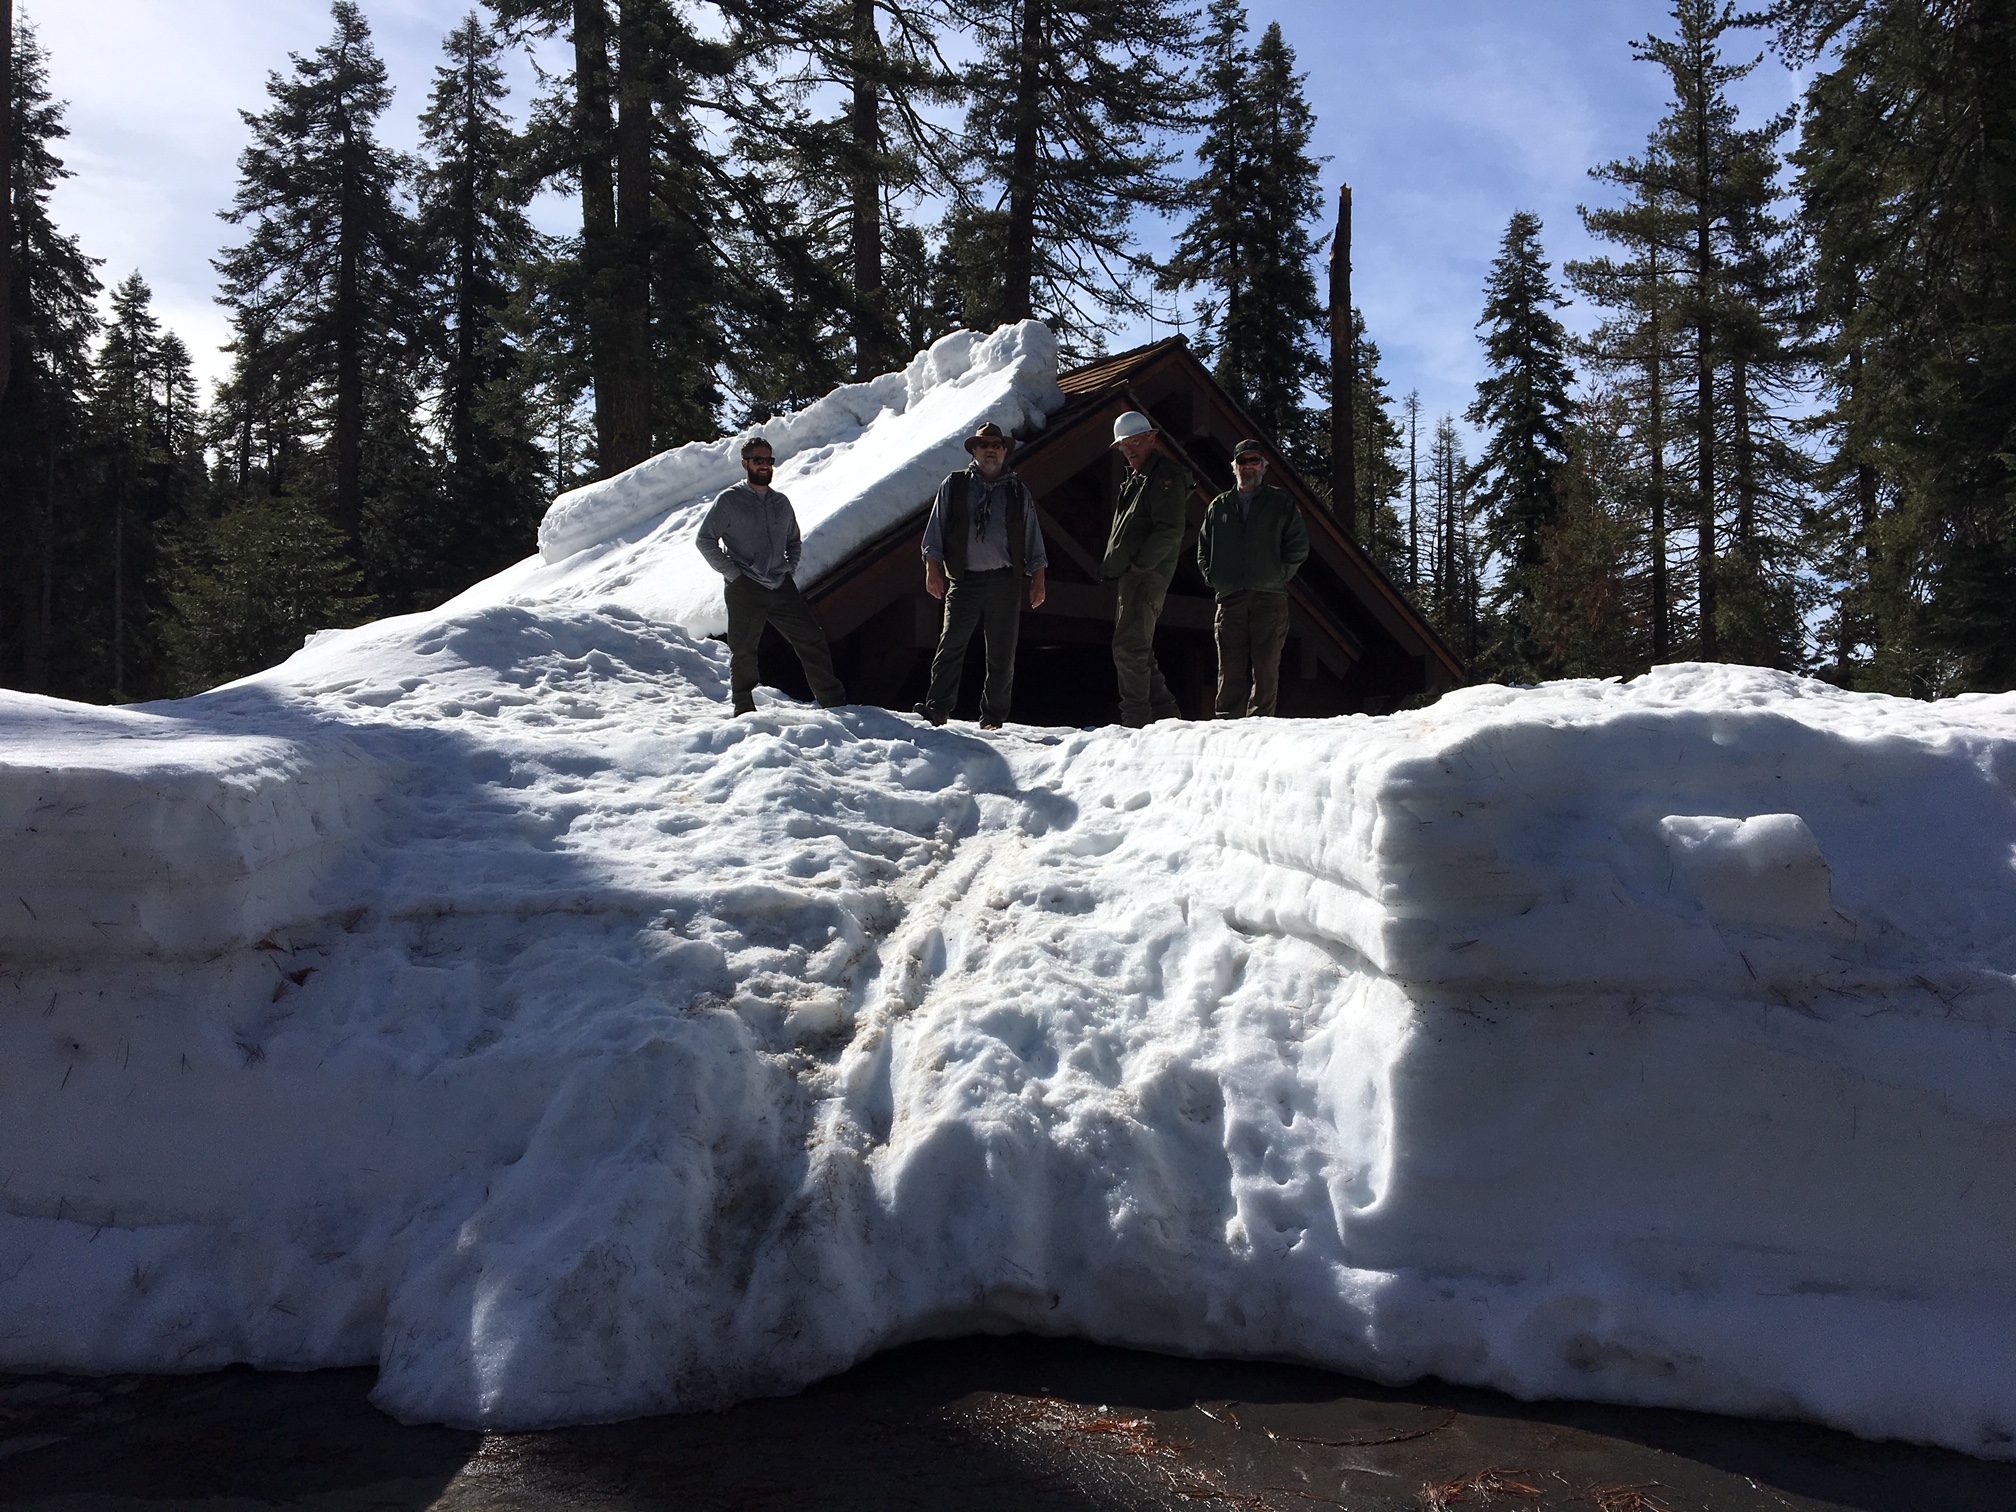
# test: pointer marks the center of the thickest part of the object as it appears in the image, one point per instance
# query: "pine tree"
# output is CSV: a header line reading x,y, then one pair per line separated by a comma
x,y
480,244
1763,579
1072,102
1523,407
965,283
882,143
783,294
598,286
1591,610
1378,445
6,191
145,480
1248,240
327,272
915,318
51,299
1710,179
1455,598
694,273
1705,304
1909,190
1637,348
1411,407
261,577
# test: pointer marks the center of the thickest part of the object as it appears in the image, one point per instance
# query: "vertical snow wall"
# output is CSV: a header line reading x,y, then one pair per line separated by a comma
x,y
587,1053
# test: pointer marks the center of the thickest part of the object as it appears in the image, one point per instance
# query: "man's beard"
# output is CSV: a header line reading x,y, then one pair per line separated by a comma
x,y
761,474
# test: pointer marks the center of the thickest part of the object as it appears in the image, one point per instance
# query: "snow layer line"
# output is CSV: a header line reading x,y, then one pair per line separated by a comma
x,y
604,1054
131,830
650,1060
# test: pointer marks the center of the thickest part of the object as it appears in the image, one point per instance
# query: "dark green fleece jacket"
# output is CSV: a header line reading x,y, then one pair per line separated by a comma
x,y
1258,548
1148,521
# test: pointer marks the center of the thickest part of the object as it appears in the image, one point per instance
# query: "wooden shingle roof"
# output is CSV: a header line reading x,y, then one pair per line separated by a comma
x,y
1106,372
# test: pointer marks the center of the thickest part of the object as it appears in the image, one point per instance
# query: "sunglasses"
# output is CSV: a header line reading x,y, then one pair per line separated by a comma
x,y
761,461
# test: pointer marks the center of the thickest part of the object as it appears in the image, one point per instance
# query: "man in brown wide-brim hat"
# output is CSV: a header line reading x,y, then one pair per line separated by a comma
x,y
983,554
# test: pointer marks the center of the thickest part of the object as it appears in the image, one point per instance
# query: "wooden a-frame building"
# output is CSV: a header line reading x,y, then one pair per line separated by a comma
x,y
1355,644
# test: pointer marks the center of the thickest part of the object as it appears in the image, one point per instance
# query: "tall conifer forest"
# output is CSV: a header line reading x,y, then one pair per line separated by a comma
x,y
1785,435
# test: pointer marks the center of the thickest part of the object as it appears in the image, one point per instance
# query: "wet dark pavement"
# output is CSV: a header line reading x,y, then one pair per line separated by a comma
x,y
972,1425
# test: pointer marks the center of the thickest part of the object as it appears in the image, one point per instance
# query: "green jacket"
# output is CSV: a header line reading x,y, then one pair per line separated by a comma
x,y
1148,521
1258,550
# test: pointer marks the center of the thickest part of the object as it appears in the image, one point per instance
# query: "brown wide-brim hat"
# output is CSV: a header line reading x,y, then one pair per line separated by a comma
x,y
989,432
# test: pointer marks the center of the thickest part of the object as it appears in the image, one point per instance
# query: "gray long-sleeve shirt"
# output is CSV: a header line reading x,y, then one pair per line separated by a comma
x,y
747,534
986,523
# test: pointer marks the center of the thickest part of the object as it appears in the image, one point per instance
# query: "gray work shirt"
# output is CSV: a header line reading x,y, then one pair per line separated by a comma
x,y
752,535
1245,502
986,523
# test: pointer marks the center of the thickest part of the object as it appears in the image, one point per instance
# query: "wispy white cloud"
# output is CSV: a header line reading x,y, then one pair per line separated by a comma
x,y
154,89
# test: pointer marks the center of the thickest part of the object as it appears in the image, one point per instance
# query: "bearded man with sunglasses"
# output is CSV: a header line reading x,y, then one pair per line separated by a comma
x,y
1251,543
751,538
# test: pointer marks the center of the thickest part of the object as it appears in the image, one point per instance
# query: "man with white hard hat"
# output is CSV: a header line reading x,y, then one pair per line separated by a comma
x,y
1141,554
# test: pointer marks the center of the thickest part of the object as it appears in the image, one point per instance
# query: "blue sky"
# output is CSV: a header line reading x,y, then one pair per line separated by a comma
x,y
1444,115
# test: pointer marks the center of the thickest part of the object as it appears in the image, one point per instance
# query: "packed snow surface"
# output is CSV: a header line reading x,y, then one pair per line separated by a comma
x,y
853,464
473,996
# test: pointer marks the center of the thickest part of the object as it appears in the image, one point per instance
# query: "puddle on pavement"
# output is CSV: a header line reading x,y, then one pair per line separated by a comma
x,y
975,1425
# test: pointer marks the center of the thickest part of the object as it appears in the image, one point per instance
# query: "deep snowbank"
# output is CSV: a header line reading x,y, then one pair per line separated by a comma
x,y
602,1054
128,829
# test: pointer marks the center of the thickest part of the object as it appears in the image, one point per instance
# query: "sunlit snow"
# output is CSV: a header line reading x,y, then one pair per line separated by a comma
x,y
470,995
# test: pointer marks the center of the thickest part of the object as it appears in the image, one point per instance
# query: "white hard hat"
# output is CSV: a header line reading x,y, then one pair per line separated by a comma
x,y
1133,423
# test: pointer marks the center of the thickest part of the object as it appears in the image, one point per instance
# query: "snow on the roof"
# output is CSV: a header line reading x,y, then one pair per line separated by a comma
x,y
853,464
572,1050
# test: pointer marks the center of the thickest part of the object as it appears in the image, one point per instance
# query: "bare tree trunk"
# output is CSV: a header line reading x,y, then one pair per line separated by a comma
x,y
1746,470
594,138
1704,353
462,401
349,367
38,673
1655,443
1445,538
631,285
1865,524
1018,258
119,598
6,193
1343,374
1414,492
869,346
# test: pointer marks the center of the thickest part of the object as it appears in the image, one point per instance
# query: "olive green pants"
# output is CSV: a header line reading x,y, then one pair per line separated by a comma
x,y
1144,692
751,606
988,601
1251,628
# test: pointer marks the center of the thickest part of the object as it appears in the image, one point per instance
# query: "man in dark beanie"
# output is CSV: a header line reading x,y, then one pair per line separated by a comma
x,y
1251,542
983,555
751,538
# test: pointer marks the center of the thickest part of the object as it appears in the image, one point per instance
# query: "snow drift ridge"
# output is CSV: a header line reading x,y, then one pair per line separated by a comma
x,y
1650,1042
